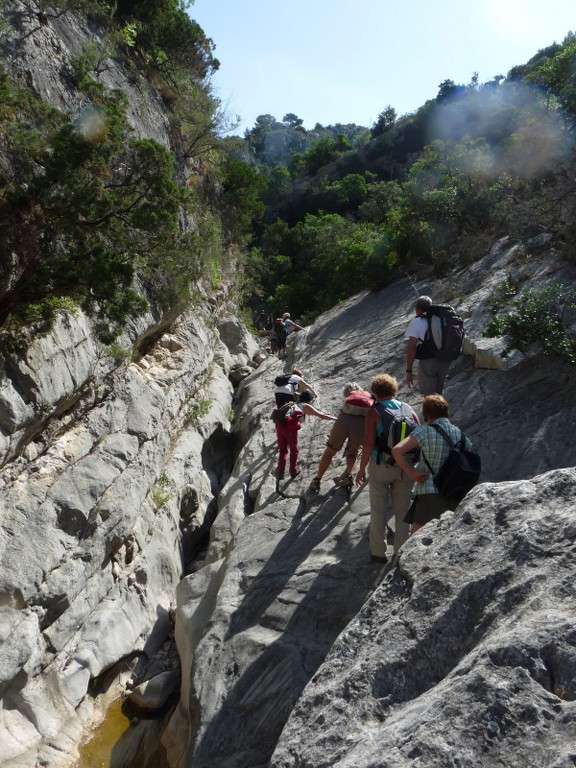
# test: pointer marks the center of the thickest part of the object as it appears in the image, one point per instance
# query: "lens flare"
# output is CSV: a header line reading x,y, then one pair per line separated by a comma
x,y
90,124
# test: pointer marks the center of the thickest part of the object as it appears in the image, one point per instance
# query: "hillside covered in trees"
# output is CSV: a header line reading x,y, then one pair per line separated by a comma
x,y
349,208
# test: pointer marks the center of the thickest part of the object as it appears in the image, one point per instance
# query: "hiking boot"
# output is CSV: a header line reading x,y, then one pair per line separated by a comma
x,y
379,558
279,475
344,481
315,485
294,474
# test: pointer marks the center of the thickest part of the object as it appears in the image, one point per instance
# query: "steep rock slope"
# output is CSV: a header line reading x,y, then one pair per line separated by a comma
x,y
256,624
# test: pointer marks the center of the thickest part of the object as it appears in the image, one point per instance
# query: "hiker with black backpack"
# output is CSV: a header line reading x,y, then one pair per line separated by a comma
x,y
279,335
288,420
388,420
289,385
435,339
438,486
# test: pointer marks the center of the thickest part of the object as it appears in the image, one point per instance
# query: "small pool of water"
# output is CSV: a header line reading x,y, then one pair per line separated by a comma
x,y
97,752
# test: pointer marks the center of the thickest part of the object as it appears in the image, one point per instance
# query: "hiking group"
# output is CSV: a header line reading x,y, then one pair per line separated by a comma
x,y
420,468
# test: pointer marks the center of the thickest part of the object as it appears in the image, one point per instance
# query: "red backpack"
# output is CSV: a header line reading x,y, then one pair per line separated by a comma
x,y
358,402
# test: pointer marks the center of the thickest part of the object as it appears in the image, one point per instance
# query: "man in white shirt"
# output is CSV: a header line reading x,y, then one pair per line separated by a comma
x,y
431,371
290,325
285,393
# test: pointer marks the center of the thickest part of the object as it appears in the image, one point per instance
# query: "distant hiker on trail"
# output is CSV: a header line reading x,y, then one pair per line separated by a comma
x,y
288,386
291,325
262,320
385,420
348,430
279,335
287,425
435,338
428,504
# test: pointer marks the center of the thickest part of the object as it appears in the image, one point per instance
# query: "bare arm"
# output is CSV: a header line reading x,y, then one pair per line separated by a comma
x,y
308,386
410,357
309,410
399,453
368,444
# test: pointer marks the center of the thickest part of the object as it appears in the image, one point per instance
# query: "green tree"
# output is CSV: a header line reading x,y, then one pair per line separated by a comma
x,y
386,119
279,181
242,189
557,73
323,151
328,257
292,121
83,205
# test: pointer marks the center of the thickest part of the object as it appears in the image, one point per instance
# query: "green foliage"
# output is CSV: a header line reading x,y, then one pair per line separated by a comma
x,y
386,119
323,151
279,181
84,64
324,259
197,410
161,492
242,189
84,206
118,353
545,317
167,37
38,318
554,68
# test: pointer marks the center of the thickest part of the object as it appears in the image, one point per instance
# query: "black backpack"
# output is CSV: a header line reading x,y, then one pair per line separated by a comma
x,y
396,425
289,413
280,333
460,472
283,380
444,336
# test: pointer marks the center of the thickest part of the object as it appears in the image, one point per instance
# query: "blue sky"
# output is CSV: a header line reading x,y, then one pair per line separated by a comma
x,y
344,61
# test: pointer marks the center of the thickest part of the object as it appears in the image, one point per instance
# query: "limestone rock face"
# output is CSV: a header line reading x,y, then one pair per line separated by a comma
x,y
270,630
105,480
466,652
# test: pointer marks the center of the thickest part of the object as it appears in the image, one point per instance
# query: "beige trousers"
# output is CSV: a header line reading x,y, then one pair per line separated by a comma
x,y
387,484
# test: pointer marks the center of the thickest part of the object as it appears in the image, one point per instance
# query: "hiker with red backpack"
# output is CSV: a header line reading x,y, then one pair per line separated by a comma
x,y
288,420
435,489
388,420
435,339
348,430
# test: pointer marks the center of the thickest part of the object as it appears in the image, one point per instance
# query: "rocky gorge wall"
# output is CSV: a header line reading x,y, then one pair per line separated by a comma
x,y
111,460
106,482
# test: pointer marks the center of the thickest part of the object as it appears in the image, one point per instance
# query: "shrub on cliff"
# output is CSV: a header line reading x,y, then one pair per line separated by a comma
x,y
84,206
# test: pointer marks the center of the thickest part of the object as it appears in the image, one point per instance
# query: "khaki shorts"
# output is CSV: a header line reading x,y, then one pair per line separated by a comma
x,y
347,428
